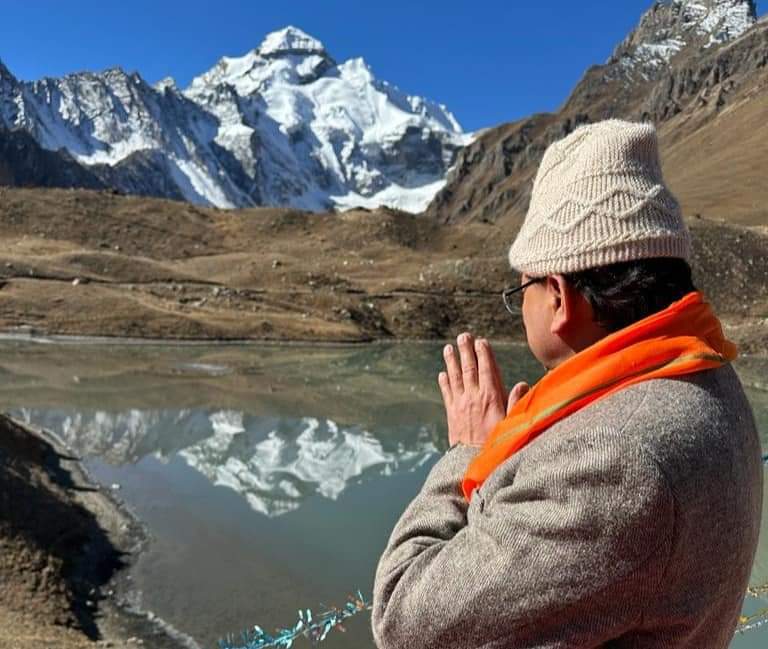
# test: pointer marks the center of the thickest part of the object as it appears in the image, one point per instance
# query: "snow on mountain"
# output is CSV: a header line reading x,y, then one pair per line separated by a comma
x,y
671,26
283,124
290,39
166,82
720,21
314,133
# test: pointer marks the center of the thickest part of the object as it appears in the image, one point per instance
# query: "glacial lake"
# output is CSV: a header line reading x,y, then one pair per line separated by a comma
x,y
269,477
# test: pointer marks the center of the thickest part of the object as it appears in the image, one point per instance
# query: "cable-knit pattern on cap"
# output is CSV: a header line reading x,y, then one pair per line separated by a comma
x,y
599,198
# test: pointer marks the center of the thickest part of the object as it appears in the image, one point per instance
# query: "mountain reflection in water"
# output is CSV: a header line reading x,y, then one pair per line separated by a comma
x,y
269,476
274,463
277,473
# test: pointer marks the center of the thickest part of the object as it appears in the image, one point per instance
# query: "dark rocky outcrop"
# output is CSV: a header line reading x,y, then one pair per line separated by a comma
x,y
24,163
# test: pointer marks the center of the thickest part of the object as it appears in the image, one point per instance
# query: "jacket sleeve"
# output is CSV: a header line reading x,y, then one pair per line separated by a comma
x,y
563,554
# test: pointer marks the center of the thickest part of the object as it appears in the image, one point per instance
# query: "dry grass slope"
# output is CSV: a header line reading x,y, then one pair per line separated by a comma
x,y
719,169
91,263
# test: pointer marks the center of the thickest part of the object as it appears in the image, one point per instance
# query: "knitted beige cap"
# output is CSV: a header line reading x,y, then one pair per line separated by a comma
x,y
598,199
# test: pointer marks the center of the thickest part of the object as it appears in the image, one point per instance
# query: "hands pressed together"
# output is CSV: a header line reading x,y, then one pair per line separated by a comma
x,y
473,391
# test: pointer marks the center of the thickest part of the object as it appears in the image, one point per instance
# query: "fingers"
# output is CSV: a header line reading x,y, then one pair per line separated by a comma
x,y
468,359
488,368
517,393
445,388
453,369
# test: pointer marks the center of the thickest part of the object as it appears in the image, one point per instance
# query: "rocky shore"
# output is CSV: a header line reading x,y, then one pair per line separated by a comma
x,y
64,546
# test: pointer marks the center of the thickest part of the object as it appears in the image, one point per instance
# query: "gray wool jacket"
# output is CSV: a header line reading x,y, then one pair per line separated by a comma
x,y
632,523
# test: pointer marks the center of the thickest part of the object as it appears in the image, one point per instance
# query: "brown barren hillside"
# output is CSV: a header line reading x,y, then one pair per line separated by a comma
x,y
93,263
721,168
88,263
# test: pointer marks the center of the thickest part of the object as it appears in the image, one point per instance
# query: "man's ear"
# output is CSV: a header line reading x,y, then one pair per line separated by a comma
x,y
561,295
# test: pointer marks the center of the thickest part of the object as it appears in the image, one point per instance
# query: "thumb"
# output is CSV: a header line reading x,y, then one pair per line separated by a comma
x,y
517,393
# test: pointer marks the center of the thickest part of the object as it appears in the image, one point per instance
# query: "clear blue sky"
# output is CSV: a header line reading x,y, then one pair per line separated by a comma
x,y
489,61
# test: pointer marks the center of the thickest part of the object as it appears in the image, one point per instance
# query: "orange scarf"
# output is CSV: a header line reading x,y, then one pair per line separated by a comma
x,y
683,338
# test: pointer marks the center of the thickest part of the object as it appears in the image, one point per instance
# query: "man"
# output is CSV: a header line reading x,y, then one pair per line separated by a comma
x,y
617,502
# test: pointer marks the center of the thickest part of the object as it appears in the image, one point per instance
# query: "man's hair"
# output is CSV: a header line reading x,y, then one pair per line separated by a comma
x,y
621,294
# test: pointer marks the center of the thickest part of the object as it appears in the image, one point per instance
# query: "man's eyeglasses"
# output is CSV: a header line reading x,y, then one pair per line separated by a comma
x,y
513,306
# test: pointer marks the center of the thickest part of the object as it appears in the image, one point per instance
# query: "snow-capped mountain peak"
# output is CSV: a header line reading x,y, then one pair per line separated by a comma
x,y
276,65
290,40
283,124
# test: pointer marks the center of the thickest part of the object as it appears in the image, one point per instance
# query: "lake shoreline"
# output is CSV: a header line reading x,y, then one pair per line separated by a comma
x,y
99,605
751,343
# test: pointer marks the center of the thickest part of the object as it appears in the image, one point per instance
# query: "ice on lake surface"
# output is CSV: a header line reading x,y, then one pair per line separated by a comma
x,y
269,476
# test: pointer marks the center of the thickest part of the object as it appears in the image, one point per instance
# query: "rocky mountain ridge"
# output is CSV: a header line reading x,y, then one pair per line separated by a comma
x,y
285,124
720,66
672,26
